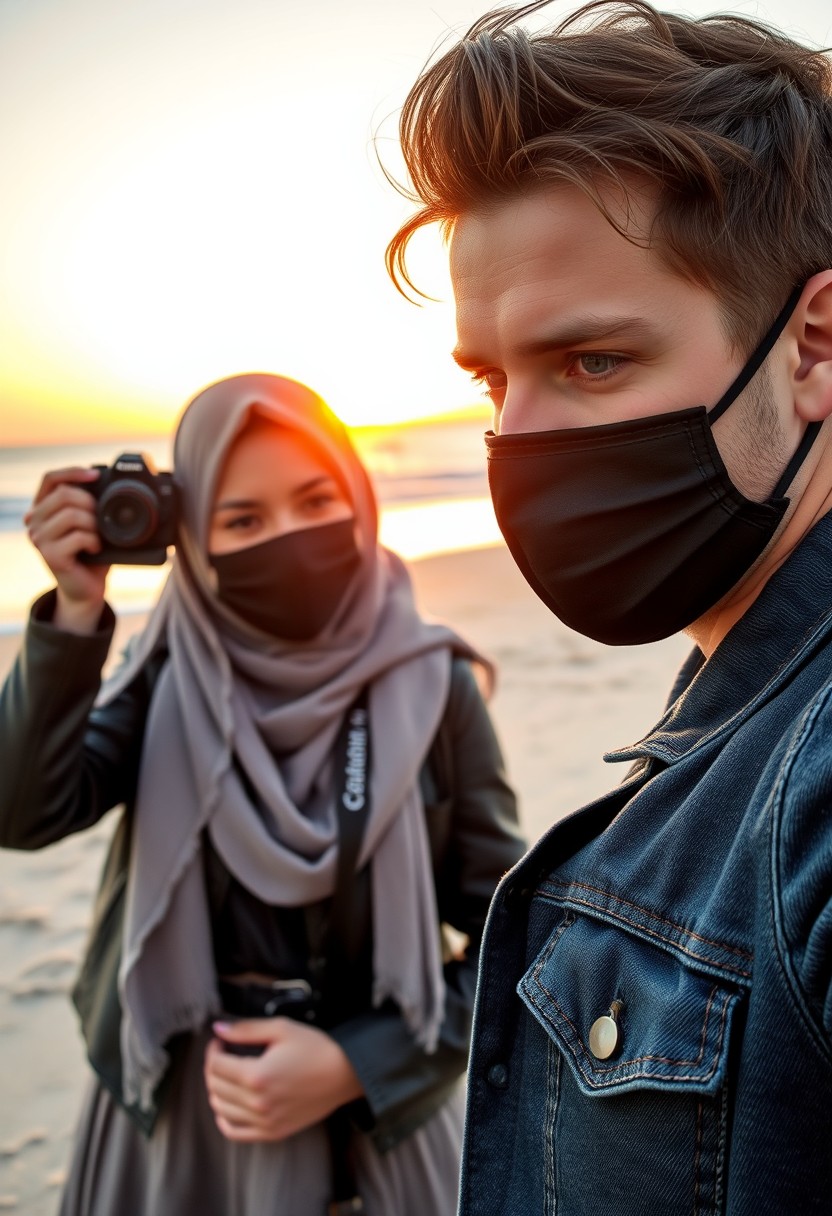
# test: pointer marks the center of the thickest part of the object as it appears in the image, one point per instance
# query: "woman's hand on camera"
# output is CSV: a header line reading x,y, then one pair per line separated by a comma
x,y
301,1077
61,524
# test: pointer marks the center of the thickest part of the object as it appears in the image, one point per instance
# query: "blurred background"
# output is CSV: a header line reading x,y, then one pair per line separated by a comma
x,y
191,189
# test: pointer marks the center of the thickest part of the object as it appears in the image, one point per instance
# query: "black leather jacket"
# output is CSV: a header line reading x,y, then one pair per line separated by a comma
x,y
64,764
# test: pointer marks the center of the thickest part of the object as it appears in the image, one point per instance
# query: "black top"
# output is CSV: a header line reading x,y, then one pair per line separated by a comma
x,y
88,761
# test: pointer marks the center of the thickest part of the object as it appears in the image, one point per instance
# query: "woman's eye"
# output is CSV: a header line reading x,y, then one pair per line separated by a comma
x,y
241,523
599,365
319,502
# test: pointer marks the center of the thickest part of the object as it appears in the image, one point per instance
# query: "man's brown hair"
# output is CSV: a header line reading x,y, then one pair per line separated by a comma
x,y
728,120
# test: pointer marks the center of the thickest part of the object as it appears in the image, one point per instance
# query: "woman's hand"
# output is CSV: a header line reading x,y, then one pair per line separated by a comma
x,y
61,524
301,1077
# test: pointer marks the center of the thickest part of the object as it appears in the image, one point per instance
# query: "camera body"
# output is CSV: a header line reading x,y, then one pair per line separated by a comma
x,y
135,512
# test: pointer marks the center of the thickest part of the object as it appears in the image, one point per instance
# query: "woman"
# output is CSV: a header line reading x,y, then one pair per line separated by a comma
x,y
311,786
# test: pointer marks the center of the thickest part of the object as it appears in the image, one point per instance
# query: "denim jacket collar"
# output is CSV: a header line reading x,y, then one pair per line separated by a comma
x,y
790,617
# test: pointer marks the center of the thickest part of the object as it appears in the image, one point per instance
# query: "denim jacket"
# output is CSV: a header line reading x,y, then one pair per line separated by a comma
x,y
692,910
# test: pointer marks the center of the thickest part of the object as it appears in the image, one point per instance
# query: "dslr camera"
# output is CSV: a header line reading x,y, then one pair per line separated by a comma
x,y
135,512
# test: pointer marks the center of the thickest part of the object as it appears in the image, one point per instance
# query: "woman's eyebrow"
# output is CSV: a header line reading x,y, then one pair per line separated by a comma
x,y
246,504
313,483
236,504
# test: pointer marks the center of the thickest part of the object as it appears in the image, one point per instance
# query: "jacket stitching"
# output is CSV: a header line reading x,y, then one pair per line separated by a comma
x,y
634,1059
781,947
721,1132
707,941
645,1073
697,1161
731,969
553,1063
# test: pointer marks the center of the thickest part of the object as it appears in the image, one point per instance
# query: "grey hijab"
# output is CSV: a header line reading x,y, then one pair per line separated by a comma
x,y
236,711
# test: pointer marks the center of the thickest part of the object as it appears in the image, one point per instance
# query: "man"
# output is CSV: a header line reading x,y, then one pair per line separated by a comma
x,y
640,217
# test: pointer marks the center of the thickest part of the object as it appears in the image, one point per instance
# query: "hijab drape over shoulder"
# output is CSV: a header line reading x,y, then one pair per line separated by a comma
x,y
239,741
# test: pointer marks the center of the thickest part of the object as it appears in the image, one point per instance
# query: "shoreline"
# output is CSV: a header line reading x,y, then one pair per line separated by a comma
x,y
560,702
416,528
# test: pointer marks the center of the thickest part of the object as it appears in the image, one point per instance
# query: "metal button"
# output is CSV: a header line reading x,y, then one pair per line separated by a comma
x,y
605,1033
498,1076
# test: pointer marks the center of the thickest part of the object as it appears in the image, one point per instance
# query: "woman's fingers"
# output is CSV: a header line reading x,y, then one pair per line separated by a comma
x,y
62,524
300,1078
63,496
60,477
61,530
241,1133
237,1092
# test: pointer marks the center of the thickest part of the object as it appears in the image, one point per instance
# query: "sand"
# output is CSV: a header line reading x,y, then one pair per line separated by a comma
x,y
561,701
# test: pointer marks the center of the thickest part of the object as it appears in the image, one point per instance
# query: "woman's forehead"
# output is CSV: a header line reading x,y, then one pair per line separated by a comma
x,y
267,450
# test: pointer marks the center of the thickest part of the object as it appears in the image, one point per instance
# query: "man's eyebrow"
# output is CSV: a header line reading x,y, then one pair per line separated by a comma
x,y
575,332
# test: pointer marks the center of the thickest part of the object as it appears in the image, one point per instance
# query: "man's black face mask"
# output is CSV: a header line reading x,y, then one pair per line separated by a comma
x,y
630,531
290,586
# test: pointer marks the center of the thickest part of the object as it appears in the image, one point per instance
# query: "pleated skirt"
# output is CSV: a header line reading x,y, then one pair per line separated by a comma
x,y
188,1168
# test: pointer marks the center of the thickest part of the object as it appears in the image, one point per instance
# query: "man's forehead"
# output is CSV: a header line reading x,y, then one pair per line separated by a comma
x,y
554,211
548,247
525,263
521,261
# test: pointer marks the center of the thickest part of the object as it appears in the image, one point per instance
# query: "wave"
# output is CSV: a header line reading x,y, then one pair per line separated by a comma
x,y
430,480
12,511
408,464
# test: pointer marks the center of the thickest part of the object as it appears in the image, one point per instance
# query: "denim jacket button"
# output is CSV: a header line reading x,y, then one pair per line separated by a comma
x,y
498,1076
605,1032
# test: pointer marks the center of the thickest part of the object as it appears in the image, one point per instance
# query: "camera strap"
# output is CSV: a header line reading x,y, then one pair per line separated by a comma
x,y
352,760
352,785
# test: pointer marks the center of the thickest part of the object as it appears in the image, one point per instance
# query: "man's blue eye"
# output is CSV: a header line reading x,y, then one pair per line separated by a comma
x,y
596,365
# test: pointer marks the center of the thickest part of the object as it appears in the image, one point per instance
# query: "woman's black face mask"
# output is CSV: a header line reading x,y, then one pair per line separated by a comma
x,y
290,586
630,531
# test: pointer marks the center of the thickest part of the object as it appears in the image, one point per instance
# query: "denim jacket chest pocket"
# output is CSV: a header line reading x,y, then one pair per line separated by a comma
x,y
639,1049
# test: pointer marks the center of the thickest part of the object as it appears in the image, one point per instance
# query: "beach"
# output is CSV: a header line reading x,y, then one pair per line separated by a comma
x,y
561,701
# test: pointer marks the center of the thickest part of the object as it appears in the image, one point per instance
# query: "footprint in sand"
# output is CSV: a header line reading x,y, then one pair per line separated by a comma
x,y
49,975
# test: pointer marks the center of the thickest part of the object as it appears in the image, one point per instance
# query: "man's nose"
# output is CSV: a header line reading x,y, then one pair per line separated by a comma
x,y
518,411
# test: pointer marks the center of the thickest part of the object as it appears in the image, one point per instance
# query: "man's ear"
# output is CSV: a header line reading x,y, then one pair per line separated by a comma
x,y
812,378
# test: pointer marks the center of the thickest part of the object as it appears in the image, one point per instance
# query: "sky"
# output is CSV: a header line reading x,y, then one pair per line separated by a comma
x,y
191,188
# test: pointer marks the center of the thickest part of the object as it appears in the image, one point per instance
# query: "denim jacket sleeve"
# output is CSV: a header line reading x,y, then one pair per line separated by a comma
x,y
47,722
472,822
802,867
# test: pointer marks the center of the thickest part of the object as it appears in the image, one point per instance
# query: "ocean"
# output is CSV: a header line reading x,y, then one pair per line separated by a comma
x,y
429,476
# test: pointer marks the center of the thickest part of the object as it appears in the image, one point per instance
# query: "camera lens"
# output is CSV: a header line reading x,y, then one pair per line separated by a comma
x,y
127,514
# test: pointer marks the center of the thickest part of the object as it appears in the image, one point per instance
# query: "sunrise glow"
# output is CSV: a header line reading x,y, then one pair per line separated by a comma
x,y
191,199
193,191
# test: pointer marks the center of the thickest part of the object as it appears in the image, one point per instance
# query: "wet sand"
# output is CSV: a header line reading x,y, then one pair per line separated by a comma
x,y
561,701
